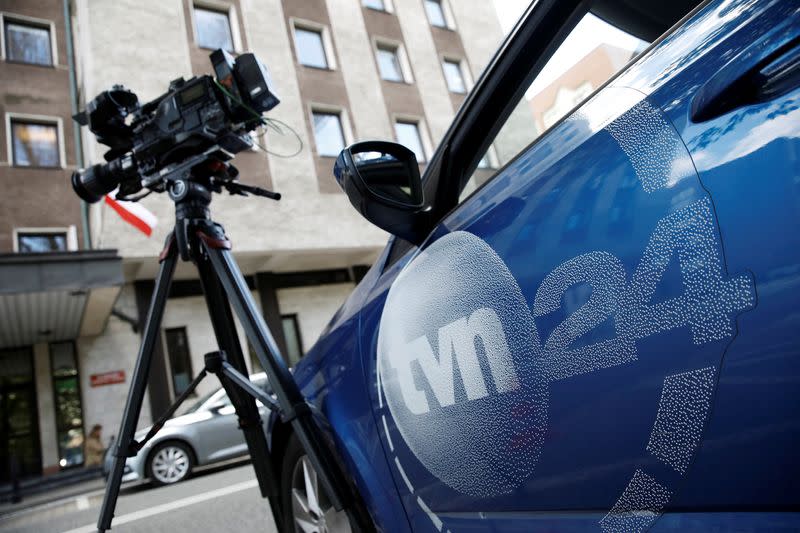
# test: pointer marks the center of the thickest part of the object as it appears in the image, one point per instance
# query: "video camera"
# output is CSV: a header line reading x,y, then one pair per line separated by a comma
x,y
198,124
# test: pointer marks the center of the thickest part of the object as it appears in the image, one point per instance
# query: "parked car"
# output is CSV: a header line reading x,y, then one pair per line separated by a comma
x,y
204,433
602,334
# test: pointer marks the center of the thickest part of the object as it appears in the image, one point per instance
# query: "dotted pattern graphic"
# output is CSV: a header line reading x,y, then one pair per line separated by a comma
x,y
638,507
652,145
465,392
682,411
444,369
709,303
606,276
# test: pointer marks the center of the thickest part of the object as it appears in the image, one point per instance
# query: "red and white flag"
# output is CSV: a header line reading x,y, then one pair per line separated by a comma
x,y
133,213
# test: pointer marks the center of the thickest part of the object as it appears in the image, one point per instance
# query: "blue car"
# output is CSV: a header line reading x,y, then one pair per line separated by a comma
x,y
602,334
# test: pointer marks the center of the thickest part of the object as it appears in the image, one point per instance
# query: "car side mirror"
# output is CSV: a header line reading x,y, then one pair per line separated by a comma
x,y
382,181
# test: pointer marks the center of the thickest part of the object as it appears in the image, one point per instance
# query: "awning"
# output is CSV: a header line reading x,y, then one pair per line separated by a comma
x,y
56,296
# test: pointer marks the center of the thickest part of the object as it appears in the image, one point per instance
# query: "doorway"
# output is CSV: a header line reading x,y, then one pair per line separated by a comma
x,y
19,431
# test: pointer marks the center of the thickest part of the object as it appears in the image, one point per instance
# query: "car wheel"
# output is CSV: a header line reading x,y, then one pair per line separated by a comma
x,y
306,507
169,463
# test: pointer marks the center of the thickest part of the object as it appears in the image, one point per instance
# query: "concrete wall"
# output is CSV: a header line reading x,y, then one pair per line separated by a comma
x,y
480,31
115,349
314,306
45,408
360,74
192,314
428,75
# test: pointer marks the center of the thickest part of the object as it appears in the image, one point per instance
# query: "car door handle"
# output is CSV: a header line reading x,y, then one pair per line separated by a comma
x,y
768,68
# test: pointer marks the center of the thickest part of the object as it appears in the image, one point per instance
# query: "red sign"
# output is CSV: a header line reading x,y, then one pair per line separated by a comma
x,y
107,378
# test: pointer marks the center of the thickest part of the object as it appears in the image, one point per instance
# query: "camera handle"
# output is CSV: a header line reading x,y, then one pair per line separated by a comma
x,y
197,238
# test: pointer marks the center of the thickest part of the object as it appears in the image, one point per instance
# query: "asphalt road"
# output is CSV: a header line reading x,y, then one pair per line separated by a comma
x,y
214,500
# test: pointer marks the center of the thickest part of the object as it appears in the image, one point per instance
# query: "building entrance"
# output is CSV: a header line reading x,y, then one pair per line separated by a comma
x,y
19,432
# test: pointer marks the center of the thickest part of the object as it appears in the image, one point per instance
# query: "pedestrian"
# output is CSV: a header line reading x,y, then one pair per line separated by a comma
x,y
93,449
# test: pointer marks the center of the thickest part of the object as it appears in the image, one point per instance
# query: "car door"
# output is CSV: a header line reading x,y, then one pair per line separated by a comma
x,y
736,107
549,356
220,435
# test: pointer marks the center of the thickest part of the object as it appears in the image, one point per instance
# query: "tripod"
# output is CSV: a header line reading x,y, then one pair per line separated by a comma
x,y
198,239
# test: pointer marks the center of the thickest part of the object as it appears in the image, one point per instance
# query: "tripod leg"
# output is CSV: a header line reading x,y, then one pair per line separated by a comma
x,y
249,417
133,405
293,405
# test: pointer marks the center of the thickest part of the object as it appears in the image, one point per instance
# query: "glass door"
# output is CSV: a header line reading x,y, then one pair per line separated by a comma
x,y
19,432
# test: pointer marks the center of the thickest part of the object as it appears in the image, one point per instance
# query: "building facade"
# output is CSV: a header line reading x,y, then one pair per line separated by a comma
x,y
345,70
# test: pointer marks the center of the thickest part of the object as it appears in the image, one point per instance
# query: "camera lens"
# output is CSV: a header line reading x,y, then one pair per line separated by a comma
x,y
92,183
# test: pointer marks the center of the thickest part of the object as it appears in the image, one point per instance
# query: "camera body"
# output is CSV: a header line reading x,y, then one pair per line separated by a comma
x,y
195,120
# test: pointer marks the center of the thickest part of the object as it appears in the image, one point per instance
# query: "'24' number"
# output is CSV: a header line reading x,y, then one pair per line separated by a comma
x,y
708,305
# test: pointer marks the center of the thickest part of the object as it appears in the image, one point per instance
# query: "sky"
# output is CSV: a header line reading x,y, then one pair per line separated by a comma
x,y
590,32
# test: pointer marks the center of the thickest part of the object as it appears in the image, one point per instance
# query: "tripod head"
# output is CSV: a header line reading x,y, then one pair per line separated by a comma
x,y
191,192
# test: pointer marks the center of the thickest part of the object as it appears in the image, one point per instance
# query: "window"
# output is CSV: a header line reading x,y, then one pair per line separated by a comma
x,y
380,5
291,332
408,135
328,133
310,47
39,242
213,29
454,76
389,63
294,344
35,144
436,14
28,43
68,406
180,361
592,53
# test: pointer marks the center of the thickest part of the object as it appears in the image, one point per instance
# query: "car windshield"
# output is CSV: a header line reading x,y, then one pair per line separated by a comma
x,y
200,401
260,383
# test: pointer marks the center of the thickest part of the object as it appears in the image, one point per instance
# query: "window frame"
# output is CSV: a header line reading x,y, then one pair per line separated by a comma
x,y
461,63
45,120
388,7
219,7
24,20
422,129
168,358
406,74
344,123
299,334
447,15
325,38
70,231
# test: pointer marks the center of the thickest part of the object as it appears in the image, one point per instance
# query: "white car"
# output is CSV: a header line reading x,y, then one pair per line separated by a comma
x,y
206,432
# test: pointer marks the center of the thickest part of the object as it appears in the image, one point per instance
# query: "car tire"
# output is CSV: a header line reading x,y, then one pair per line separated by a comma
x,y
303,500
169,462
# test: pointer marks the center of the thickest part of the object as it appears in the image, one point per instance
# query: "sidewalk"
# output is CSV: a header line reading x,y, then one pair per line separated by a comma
x,y
48,489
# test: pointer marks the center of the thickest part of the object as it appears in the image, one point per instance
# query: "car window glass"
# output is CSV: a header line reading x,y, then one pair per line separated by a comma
x,y
591,55
198,403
